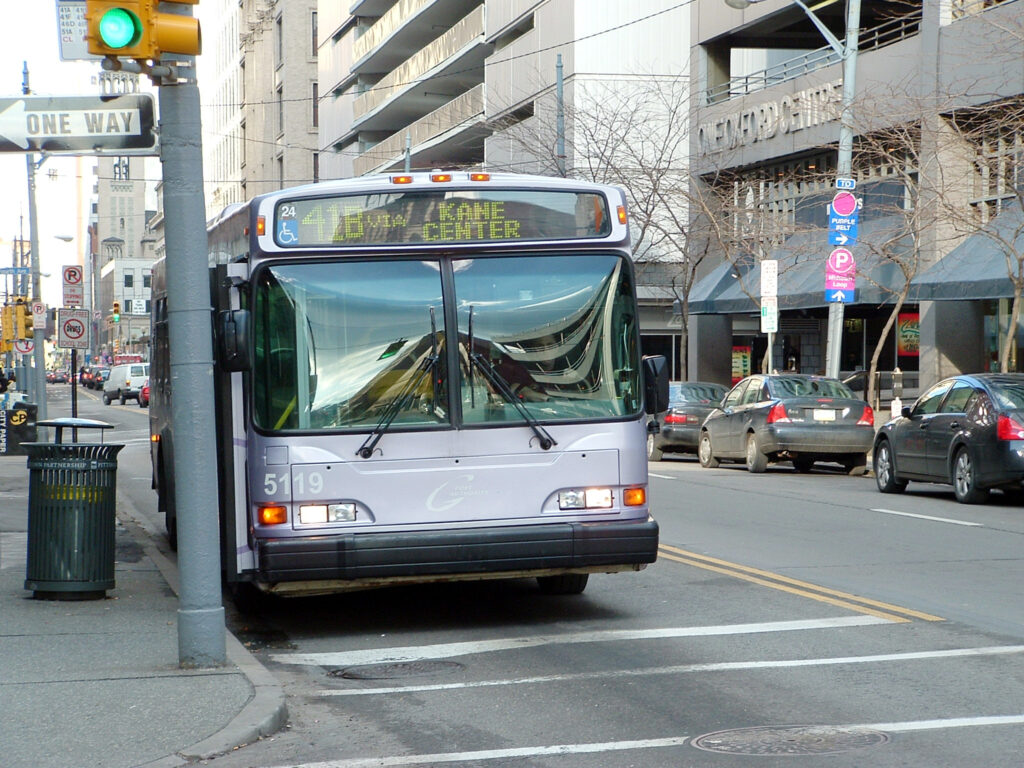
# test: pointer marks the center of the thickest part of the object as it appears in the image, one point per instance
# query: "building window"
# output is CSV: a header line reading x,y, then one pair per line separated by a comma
x,y
280,171
278,41
147,281
313,28
244,142
316,167
316,105
280,109
121,169
129,280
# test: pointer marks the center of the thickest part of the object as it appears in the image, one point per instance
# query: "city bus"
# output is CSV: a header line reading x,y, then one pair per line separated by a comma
x,y
422,377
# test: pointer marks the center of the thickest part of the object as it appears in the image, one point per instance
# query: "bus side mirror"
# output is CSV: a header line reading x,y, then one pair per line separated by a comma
x,y
655,369
233,340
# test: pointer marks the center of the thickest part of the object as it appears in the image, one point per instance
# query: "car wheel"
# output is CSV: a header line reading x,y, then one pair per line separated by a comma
x,y
856,464
965,480
885,470
705,453
756,461
803,464
106,400
563,584
122,398
654,453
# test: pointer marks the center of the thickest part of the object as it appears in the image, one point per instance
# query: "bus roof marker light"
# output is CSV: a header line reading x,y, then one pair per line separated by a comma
x,y
401,179
621,210
479,177
440,177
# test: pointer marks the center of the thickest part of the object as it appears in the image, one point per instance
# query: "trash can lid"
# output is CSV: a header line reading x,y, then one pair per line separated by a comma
x,y
73,423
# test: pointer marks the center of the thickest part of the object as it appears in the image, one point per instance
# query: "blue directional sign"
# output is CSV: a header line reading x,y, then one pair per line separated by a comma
x,y
842,230
842,183
836,296
15,270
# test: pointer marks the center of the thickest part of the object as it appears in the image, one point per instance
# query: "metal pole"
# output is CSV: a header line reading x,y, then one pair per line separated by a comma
x,y
844,168
201,629
39,334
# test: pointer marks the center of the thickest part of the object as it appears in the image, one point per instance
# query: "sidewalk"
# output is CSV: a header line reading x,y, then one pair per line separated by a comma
x,y
96,682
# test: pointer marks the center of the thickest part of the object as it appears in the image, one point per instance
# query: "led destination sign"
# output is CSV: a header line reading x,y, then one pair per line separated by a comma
x,y
440,217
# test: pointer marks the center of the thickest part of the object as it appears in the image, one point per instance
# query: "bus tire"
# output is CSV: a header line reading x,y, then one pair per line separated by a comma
x,y
166,507
247,598
563,584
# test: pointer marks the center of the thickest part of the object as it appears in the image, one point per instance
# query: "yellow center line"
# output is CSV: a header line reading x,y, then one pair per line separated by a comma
x,y
796,587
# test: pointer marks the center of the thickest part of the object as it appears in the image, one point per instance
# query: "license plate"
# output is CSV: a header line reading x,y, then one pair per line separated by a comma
x,y
824,414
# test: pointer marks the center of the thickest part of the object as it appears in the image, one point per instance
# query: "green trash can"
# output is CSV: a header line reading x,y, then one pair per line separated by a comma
x,y
71,516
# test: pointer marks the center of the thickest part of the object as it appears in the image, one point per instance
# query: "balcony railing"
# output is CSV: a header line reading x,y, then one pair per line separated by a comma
x,y
464,32
386,25
892,31
459,111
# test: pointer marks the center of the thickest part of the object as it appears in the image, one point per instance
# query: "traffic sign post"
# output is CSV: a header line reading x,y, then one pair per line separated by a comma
x,y
770,302
843,218
73,329
74,288
82,125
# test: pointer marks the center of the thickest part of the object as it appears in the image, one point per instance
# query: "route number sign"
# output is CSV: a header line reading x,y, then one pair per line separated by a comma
x,y
73,328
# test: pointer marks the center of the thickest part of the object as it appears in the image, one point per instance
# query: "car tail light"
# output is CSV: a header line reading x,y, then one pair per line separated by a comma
x,y
681,418
867,418
1008,428
778,414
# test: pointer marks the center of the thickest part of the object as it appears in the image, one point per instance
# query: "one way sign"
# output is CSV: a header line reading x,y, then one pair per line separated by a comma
x,y
78,125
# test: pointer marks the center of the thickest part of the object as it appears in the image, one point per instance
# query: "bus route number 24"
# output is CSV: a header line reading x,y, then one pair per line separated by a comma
x,y
275,484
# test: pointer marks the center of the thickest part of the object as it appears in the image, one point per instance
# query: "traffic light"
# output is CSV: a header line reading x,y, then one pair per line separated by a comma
x,y
117,312
7,325
23,321
135,29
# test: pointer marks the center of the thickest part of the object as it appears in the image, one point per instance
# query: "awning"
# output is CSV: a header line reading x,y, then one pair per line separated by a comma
x,y
802,260
978,268
703,294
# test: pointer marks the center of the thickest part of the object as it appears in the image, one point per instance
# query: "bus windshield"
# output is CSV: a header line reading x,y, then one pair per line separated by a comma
x,y
339,344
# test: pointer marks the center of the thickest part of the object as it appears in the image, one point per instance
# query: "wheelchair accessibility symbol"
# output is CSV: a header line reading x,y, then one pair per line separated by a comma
x,y
287,231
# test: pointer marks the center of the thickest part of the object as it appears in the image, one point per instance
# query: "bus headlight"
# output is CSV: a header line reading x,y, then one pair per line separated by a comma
x,y
311,514
585,498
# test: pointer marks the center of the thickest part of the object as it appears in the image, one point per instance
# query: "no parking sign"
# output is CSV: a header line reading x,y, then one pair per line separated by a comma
x,y
73,328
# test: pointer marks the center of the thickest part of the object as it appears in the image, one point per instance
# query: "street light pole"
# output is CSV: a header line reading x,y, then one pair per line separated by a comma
x,y
844,161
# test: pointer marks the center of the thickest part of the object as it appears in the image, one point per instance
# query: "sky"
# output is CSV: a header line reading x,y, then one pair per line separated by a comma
x,y
63,184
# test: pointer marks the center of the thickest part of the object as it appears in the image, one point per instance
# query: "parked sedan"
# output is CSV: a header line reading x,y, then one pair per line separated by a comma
x,y
689,403
789,417
966,431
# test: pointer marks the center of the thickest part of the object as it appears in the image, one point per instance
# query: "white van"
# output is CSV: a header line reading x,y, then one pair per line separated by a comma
x,y
125,382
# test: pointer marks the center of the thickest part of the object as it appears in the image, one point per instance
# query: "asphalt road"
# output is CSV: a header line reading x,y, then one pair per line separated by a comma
x,y
788,615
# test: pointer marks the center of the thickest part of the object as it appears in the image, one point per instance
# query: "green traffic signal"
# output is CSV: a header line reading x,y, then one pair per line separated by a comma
x,y
120,28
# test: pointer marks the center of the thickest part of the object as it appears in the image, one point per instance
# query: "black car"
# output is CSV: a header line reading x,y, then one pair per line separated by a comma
x,y
966,431
789,417
679,431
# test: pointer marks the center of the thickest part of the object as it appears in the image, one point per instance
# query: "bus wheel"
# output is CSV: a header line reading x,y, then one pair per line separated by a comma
x,y
247,598
565,584
162,507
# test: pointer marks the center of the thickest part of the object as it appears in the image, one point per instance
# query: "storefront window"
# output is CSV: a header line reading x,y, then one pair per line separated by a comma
x,y
997,324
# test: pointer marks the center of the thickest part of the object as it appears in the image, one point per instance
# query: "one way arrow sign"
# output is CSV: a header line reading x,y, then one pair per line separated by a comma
x,y
79,125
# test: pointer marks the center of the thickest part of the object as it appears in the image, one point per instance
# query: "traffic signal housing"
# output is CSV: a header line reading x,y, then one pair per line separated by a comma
x,y
116,313
135,29
23,321
7,326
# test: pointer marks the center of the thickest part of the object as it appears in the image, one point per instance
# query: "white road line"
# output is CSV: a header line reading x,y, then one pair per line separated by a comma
x,y
996,650
928,517
448,650
609,746
496,754
663,477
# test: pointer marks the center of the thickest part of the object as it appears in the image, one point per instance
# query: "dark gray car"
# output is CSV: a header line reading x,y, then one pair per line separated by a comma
x,y
679,427
789,417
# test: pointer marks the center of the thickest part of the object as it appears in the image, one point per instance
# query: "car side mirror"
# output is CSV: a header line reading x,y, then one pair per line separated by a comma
x,y
655,368
233,340
905,412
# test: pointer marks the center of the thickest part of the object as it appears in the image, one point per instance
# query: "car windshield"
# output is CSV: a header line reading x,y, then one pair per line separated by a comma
x,y
802,386
1009,396
698,393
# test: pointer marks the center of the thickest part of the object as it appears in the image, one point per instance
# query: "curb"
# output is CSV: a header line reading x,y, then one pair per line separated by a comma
x,y
264,714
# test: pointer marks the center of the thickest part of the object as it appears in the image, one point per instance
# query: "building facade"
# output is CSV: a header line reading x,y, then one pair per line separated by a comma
x,y
937,156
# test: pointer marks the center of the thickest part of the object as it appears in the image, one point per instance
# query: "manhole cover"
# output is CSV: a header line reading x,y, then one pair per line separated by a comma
x,y
789,740
397,669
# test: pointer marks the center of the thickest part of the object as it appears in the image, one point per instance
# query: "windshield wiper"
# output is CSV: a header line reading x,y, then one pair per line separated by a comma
x,y
499,383
398,404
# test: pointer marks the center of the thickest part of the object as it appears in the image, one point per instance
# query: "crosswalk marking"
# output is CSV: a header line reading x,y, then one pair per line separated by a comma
x,y
448,650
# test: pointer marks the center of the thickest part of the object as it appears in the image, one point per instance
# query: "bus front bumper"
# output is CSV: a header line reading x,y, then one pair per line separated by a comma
x,y
377,559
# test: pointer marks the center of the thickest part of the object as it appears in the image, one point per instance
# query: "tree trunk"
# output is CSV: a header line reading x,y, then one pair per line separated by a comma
x,y
1011,330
